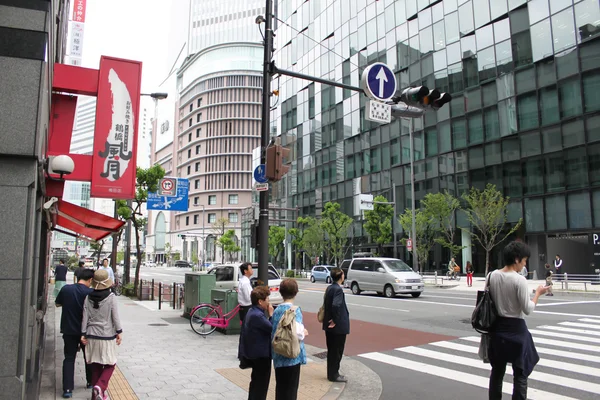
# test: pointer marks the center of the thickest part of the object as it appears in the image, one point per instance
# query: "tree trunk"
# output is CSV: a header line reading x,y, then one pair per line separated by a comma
x,y
487,262
138,251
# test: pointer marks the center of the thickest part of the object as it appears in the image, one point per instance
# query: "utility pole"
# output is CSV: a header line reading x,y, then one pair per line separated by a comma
x,y
113,259
263,216
394,220
412,198
127,249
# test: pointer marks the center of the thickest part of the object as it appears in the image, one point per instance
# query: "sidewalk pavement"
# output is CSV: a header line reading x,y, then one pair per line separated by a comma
x,y
162,358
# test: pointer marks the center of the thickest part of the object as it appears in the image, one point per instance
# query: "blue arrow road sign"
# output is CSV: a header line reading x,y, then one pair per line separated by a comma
x,y
379,82
176,202
260,174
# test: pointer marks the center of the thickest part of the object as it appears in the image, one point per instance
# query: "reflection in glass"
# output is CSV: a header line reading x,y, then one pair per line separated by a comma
x,y
533,176
528,111
534,215
505,86
439,60
510,149
451,22
508,118
541,40
580,215
521,48
587,19
486,60
513,185
576,165
481,10
475,129
504,57
538,10
557,5
570,98
551,139
459,134
497,8
525,80
449,6
485,37
455,78
426,39
445,137
465,17
490,95
555,173
556,213
492,126
439,38
591,90
563,30
493,153
530,144
567,64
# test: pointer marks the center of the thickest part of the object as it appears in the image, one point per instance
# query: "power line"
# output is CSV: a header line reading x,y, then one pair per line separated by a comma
x,y
317,42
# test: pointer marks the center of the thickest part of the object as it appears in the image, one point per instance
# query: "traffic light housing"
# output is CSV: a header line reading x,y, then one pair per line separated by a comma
x,y
276,168
422,97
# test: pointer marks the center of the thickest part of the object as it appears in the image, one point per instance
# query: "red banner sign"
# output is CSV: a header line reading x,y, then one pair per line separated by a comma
x,y
79,10
115,135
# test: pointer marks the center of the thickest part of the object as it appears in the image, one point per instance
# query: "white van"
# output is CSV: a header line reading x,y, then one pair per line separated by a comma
x,y
386,276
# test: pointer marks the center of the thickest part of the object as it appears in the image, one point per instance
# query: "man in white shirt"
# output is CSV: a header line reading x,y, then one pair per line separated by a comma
x,y
110,271
244,291
558,264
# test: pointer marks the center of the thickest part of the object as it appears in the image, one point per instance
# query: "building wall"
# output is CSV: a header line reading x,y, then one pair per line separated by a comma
x,y
33,38
525,114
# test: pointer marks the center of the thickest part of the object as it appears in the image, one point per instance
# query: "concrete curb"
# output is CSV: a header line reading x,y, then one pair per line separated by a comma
x,y
441,286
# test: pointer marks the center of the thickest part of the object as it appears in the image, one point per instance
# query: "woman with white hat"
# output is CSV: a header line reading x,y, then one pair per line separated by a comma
x,y
101,332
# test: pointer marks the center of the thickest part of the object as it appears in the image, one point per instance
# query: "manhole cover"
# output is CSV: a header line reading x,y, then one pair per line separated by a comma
x,y
322,355
158,324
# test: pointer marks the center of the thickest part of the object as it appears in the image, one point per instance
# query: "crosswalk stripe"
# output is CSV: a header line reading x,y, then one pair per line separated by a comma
x,y
594,321
572,330
580,325
580,369
564,336
555,352
474,380
559,343
474,363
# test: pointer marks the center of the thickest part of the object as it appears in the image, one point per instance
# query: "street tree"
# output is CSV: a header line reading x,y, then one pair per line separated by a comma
x,y
168,253
276,238
297,234
378,223
97,247
336,225
219,228
147,180
425,232
228,244
313,240
487,213
442,208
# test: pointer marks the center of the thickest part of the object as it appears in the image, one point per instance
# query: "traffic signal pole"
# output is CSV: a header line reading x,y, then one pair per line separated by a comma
x,y
263,216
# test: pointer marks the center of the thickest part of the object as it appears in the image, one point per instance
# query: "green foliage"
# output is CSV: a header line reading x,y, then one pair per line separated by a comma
x,y
227,243
219,228
176,256
442,208
128,289
120,256
425,232
313,240
378,223
336,225
487,213
290,274
72,262
297,234
168,252
276,238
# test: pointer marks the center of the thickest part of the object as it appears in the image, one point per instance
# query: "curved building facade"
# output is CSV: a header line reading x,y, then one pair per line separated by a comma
x,y
218,125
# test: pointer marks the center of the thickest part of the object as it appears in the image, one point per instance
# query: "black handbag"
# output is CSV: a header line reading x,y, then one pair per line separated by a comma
x,y
485,313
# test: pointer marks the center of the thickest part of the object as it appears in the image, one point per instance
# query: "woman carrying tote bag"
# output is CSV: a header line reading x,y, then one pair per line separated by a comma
x,y
510,341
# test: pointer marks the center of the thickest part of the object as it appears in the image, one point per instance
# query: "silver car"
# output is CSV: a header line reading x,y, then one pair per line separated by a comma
x,y
228,276
386,276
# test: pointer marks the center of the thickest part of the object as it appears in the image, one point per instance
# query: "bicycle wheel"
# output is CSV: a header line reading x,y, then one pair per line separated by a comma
x,y
119,290
197,319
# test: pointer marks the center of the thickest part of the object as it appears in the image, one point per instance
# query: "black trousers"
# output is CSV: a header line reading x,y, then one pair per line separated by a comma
x,y
261,376
335,351
496,378
287,382
71,347
243,312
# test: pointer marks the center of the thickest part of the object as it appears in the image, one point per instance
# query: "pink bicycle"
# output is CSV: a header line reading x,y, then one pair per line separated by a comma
x,y
205,318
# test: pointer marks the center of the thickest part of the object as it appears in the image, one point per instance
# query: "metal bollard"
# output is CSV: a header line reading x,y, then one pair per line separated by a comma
x,y
159,294
566,282
152,291
435,278
173,294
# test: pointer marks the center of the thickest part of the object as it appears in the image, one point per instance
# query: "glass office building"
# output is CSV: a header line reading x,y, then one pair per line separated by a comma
x,y
525,114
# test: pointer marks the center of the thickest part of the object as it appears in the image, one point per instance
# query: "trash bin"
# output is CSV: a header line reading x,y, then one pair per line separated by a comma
x,y
230,302
198,288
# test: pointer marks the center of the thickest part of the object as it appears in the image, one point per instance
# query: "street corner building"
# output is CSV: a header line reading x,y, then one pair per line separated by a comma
x,y
524,77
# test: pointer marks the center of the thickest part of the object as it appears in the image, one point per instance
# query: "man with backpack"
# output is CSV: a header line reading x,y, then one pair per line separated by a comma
x,y
336,324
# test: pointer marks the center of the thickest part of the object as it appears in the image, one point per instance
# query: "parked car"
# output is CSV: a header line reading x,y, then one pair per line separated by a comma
x,y
344,267
321,273
386,276
182,264
228,276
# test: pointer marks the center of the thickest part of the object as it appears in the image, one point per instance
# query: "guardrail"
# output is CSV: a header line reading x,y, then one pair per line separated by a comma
x,y
298,273
173,294
425,275
586,279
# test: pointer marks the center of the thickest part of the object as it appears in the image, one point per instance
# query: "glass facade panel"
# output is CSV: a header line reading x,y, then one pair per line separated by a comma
x,y
513,185
580,215
538,10
587,16
591,91
445,138
451,23
563,30
594,164
546,73
551,139
490,94
492,126
573,133
459,134
592,125
555,173
510,149
576,166
530,144
556,213
525,80
476,157
475,128
508,118
596,207
534,215
570,98
521,48
528,111
541,40
533,176
431,142
493,152
549,106
465,17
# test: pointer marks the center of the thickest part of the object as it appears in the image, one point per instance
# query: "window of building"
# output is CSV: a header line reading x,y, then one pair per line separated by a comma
x,y
576,168
212,218
538,10
395,154
198,132
189,137
546,73
580,215
198,149
508,117
189,153
542,42
490,94
555,173
570,98
549,105
189,169
459,134
492,126
513,186
196,219
190,122
591,91
587,15
493,153
197,184
212,200
594,164
187,220
556,213
431,142
525,80
191,106
197,166
592,125
534,215
233,218
528,111
563,30
596,207
476,157
199,102
196,199
233,199
530,144
573,133
198,117
475,128
533,176
551,139
510,149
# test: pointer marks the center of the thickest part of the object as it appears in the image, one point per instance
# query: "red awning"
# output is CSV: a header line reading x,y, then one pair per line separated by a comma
x,y
87,223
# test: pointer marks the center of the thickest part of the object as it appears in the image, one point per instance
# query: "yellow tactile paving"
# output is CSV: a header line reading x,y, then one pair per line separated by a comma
x,y
118,387
313,382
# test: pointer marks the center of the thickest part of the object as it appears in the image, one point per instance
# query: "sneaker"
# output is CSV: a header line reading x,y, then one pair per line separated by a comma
x,y
97,393
67,394
105,397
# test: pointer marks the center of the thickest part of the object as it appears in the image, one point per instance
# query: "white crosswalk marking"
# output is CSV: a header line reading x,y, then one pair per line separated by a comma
x,y
567,363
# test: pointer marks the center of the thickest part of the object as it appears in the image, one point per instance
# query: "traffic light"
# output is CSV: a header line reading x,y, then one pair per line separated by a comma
x,y
276,168
422,97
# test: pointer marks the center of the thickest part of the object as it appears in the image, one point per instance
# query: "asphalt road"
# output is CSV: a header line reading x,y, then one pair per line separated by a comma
x,y
425,348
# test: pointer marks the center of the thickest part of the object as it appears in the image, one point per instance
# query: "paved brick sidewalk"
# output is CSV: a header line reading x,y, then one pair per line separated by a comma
x,y
162,358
